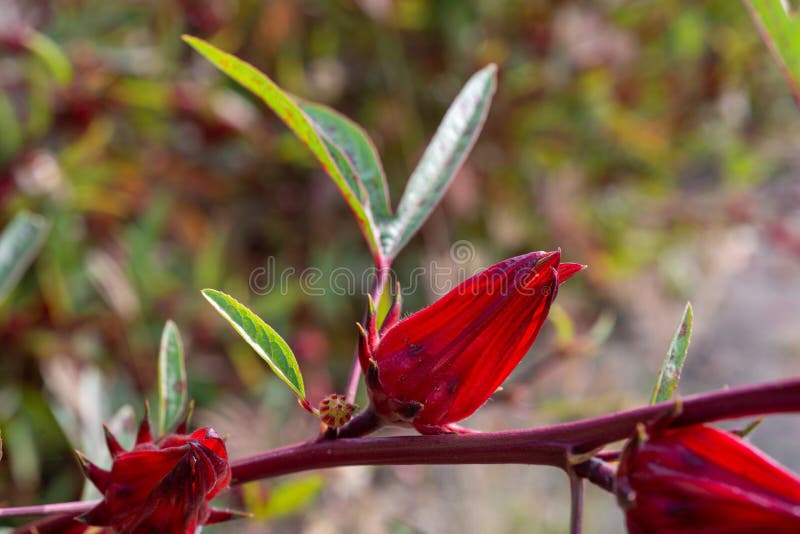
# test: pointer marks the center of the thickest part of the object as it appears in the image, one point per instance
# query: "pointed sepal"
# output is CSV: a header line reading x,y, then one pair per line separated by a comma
x,y
372,324
144,435
99,477
364,351
219,516
114,448
184,425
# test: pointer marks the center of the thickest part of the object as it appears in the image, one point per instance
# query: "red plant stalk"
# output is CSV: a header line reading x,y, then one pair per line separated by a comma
x,y
554,445
381,278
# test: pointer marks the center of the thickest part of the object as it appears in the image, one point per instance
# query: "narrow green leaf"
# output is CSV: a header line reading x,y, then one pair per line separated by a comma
x,y
780,30
39,106
670,372
12,138
301,125
359,150
563,323
19,244
261,337
25,466
51,55
749,428
441,160
172,387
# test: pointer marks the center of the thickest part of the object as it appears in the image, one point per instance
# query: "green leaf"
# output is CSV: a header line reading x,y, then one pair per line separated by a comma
x,y
172,387
303,127
51,55
12,138
563,323
26,463
749,428
291,497
19,244
441,160
261,337
780,30
670,373
358,148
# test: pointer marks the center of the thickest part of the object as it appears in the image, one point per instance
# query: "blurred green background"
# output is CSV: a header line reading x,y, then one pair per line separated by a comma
x,y
653,140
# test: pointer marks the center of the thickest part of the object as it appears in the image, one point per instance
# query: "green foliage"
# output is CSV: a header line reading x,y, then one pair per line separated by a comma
x,y
563,323
19,244
11,139
780,29
261,337
285,498
172,385
349,157
296,119
362,157
442,158
670,373
51,55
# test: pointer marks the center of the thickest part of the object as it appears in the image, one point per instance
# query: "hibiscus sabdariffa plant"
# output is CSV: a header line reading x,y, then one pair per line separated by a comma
x,y
433,368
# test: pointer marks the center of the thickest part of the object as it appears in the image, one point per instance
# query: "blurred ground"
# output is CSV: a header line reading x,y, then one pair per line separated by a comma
x,y
654,141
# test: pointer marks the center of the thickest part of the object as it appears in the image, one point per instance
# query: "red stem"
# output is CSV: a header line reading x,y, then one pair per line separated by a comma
x,y
543,446
598,472
576,510
540,446
381,277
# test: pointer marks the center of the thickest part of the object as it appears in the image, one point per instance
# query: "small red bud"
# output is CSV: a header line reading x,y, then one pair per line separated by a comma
x,y
335,411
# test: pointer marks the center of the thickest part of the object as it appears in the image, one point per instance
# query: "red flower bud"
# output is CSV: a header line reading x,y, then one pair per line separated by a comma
x,y
702,480
335,411
162,486
442,363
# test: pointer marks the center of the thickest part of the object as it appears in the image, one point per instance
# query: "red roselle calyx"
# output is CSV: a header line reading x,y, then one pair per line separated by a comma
x,y
702,480
439,365
161,486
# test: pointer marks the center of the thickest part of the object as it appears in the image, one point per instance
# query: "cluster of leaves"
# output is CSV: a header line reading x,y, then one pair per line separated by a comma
x,y
348,156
